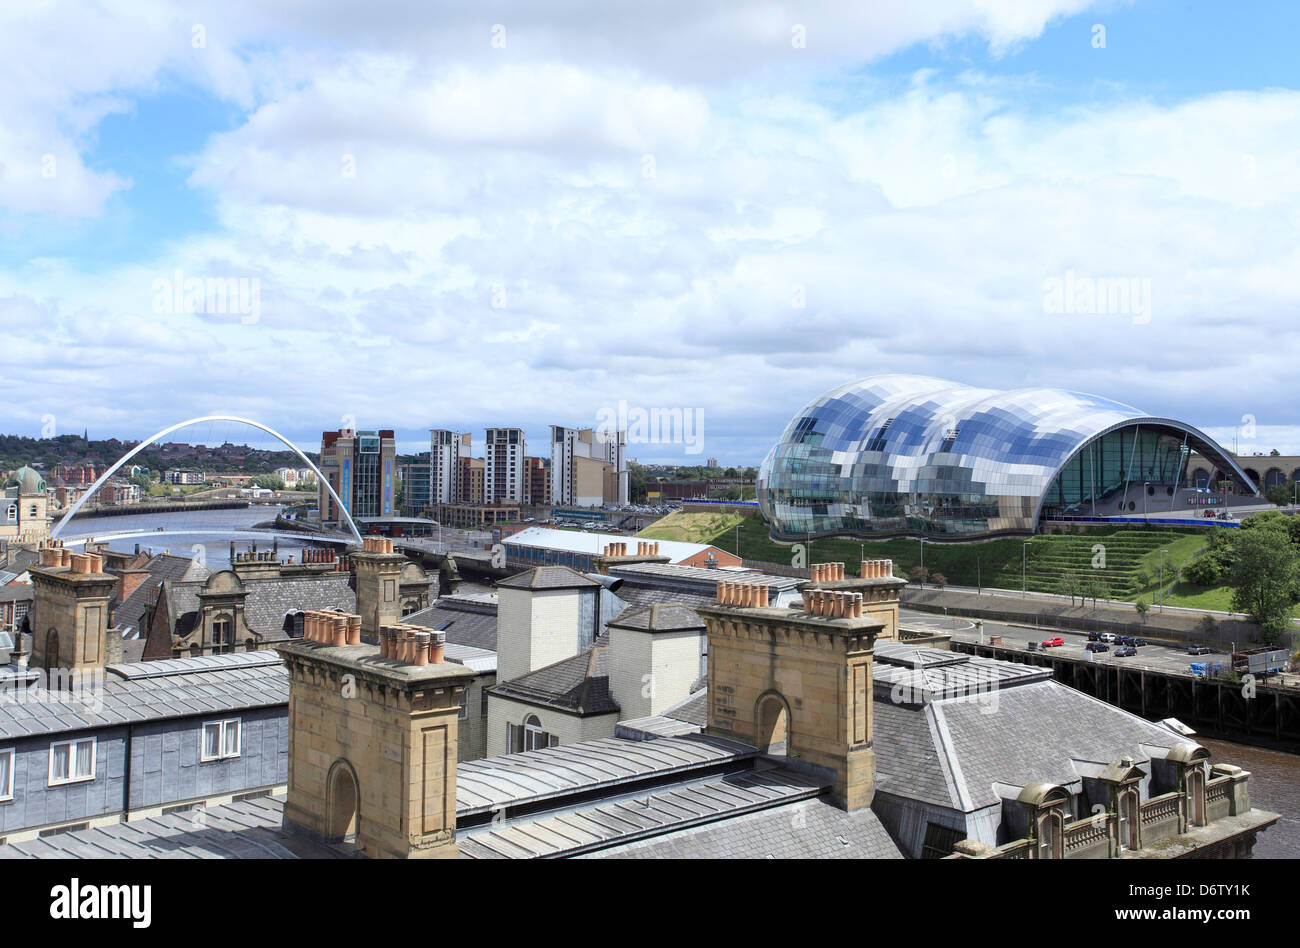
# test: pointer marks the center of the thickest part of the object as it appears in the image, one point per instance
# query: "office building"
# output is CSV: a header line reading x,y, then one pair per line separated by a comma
x,y
361,466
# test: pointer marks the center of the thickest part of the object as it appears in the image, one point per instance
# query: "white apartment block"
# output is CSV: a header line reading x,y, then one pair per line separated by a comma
x,y
504,469
446,448
588,467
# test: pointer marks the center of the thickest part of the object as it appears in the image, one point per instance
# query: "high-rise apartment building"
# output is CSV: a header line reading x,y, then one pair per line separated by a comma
x,y
504,476
471,480
361,466
446,448
588,467
539,481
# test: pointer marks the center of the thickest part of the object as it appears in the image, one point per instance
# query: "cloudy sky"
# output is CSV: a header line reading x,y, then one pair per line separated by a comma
x,y
478,213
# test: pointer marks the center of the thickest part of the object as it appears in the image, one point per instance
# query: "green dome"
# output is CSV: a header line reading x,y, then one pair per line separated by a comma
x,y
27,481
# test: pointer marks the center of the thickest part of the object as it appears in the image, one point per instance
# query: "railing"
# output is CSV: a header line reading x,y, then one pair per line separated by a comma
x,y
1088,832
1162,808
1218,788
1020,849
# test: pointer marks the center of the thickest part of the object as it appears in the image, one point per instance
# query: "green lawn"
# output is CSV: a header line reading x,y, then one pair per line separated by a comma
x,y
992,563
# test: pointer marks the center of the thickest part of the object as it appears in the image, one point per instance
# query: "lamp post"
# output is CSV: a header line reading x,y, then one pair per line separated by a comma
x,y
1024,585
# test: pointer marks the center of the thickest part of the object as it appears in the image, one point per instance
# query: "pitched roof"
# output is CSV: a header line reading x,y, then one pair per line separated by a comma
x,y
548,577
661,617
807,829
466,622
579,685
270,600
129,612
151,691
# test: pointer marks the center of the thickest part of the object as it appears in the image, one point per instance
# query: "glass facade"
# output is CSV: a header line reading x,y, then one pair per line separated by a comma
x,y
908,455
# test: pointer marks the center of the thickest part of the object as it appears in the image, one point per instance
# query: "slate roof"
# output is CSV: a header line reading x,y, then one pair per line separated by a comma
x,y
661,617
270,599
163,567
694,710
548,577
139,692
466,622
808,829
1036,732
641,596
578,685
246,829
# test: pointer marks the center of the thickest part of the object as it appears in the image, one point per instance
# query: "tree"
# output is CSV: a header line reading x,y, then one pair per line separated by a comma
x,y
1264,577
1068,585
1142,607
938,580
918,575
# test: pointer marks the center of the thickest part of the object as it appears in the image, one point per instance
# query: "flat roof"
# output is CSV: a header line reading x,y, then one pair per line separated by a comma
x,y
593,543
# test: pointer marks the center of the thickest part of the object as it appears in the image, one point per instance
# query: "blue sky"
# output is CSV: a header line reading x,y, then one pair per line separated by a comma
x,y
624,204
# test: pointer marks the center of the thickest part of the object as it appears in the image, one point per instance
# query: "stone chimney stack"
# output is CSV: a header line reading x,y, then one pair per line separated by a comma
x,y
69,613
796,684
373,738
378,577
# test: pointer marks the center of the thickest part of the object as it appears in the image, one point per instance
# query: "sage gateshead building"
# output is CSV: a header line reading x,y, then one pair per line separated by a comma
x,y
904,455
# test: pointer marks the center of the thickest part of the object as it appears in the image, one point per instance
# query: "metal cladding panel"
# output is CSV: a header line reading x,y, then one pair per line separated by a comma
x,y
900,454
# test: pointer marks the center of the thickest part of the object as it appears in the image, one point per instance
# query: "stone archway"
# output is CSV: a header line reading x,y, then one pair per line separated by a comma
x,y
772,717
342,803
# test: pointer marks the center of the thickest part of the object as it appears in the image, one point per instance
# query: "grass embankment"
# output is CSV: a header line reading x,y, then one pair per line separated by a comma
x,y
1132,556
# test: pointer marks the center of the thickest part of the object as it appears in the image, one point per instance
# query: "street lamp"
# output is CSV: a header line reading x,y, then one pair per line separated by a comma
x,y
1024,585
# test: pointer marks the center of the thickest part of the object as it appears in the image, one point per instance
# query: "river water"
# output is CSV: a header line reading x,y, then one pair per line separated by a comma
x,y
1275,775
212,544
1274,785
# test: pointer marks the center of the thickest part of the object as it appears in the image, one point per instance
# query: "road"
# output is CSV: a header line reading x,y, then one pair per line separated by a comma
x,y
1166,658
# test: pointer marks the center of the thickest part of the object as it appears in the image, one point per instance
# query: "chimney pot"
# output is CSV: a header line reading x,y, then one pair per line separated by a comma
x,y
354,630
437,644
422,648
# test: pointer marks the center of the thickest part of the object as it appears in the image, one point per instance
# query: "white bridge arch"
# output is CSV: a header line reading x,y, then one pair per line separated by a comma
x,y
103,478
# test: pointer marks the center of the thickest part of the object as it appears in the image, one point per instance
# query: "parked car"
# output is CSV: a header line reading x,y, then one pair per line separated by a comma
x,y
1097,647
1198,650
1094,636
1031,645
1053,642
1137,641
1124,651
1110,638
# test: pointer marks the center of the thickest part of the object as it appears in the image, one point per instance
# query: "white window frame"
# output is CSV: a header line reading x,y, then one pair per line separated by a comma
x,y
222,726
534,734
54,781
7,790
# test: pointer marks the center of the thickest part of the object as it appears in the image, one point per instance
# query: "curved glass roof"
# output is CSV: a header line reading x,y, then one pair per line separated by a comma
x,y
894,454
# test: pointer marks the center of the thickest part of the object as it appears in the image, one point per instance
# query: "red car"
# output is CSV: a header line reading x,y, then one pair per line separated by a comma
x,y
1052,643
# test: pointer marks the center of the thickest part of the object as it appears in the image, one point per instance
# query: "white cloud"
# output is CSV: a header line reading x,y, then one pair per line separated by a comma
x,y
918,226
